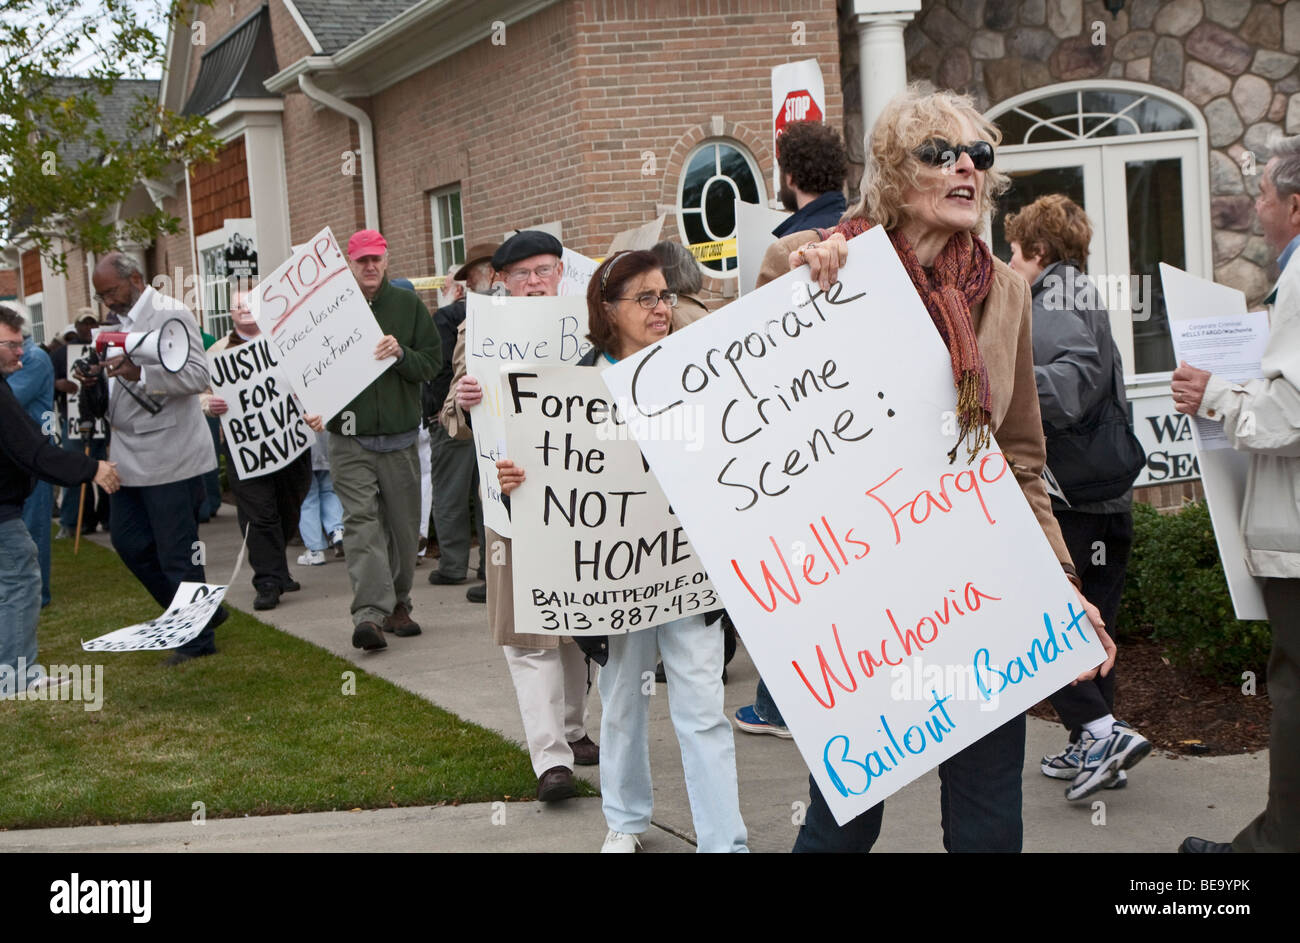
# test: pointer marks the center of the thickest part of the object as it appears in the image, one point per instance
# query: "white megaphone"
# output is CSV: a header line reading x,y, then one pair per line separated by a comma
x,y
167,346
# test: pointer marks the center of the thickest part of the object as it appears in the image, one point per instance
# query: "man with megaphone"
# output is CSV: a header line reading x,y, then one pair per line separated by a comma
x,y
161,444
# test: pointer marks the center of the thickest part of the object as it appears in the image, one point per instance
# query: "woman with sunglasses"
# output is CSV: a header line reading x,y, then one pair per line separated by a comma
x,y
629,308
929,181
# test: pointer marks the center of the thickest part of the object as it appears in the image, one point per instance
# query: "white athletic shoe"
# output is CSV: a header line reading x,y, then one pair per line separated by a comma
x,y
620,843
312,558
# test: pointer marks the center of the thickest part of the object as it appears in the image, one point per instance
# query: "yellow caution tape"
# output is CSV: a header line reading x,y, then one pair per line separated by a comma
x,y
713,251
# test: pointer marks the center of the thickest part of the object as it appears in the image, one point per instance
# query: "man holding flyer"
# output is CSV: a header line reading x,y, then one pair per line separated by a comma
x,y
374,455
1262,417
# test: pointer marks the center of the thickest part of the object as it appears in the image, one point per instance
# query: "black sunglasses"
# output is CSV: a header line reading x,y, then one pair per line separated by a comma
x,y
939,153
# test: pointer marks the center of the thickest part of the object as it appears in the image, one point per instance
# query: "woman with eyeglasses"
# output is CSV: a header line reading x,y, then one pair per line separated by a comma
x,y
629,307
929,181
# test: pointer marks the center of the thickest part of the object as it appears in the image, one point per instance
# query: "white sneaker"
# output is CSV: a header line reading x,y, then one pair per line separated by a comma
x,y
617,843
312,558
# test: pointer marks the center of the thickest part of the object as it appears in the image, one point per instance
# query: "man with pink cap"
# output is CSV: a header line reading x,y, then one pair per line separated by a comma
x,y
374,455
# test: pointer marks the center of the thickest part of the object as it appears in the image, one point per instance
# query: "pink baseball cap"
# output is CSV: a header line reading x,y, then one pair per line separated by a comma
x,y
366,242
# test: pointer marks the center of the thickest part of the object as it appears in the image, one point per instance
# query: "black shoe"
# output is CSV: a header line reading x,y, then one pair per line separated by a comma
x,y
585,751
268,597
436,578
660,676
400,623
477,593
290,586
1192,845
556,784
368,636
180,658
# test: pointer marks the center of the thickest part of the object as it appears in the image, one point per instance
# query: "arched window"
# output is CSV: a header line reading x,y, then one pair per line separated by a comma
x,y
717,173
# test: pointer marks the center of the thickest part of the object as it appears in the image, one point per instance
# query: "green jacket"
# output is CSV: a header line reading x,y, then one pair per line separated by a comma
x,y
391,404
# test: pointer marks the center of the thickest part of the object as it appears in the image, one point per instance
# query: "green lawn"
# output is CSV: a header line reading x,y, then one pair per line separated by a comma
x,y
263,728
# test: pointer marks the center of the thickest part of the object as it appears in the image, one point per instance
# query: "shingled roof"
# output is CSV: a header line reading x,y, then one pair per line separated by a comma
x,y
339,23
114,109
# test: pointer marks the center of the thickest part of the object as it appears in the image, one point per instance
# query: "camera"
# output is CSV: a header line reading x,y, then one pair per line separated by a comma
x,y
92,399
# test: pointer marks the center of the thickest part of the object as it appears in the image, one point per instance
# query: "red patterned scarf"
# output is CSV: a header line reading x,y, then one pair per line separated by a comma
x,y
961,276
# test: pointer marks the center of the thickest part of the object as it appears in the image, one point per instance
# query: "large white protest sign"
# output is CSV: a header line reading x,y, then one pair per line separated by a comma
x,y
191,609
324,333
899,607
597,550
1223,471
500,330
264,425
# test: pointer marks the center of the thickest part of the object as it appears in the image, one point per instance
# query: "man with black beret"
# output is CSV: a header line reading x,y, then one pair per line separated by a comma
x,y
549,673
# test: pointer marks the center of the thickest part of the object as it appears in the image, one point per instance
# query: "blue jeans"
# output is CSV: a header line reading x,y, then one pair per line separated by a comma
x,y
20,602
765,707
38,510
322,512
979,802
692,657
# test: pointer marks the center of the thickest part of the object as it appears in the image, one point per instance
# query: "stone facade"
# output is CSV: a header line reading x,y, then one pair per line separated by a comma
x,y
1236,60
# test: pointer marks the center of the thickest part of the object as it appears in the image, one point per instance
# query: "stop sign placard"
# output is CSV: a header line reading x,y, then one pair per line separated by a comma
x,y
798,106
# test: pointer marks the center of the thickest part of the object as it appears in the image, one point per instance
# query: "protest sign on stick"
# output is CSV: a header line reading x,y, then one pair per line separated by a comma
x,y
191,608
264,425
899,607
597,550
501,330
323,331
100,428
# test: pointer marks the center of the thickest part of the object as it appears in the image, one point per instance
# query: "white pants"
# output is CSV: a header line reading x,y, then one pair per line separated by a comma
x,y
551,685
692,654
426,481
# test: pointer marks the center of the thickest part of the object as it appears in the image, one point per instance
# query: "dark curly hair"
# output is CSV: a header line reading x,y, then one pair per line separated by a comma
x,y
813,154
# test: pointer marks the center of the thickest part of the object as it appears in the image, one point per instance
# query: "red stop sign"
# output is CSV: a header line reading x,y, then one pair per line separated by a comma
x,y
798,106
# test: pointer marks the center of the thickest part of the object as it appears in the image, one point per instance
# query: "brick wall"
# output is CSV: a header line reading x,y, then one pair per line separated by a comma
x,y
31,267
555,123
320,192
8,283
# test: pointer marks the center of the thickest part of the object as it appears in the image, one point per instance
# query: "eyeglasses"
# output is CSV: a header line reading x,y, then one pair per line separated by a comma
x,y
112,293
649,300
521,275
939,153
12,345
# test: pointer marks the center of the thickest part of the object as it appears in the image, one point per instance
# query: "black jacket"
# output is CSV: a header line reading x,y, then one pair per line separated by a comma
x,y
822,213
446,319
26,454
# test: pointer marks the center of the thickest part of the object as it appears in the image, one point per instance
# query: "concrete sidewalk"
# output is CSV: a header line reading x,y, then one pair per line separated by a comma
x,y
455,665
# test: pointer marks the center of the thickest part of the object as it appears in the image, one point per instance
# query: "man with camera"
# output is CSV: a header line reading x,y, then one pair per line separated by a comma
x,y
161,445
26,454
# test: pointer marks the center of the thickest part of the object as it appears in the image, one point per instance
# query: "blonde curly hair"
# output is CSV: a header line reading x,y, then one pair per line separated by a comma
x,y
908,121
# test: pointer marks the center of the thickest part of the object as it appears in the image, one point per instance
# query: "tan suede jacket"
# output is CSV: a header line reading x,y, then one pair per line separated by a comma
x,y
1002,324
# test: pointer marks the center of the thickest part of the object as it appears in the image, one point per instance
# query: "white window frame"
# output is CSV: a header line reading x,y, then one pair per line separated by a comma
x,y
214,296
36,325
441,238
759,180
1103,160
